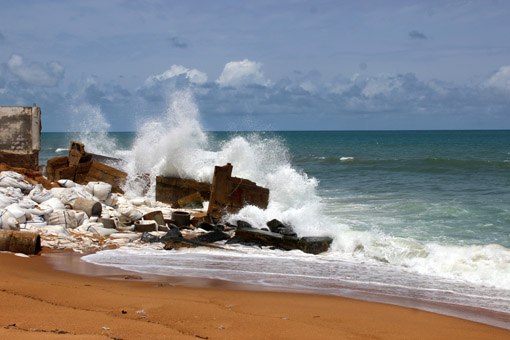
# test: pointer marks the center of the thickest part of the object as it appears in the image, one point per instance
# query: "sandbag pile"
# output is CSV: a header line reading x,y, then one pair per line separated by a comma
x,y
24,206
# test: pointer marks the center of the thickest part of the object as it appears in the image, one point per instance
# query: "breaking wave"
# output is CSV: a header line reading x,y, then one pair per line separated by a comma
x,y
176,145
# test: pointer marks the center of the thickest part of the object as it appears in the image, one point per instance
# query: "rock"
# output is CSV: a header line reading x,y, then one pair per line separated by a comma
x,y
211,237
314,245
174,232
206,226
278,227
243,225
179,242
149,238
267,238
311,245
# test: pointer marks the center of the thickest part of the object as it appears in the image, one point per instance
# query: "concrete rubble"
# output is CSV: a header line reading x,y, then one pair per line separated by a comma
x,y
81,206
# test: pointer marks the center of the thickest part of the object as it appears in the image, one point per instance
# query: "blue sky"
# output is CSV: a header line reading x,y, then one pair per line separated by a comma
x,y
261,65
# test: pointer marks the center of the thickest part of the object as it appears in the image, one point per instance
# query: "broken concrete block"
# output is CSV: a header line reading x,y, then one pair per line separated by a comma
x,y
171,189
229,194
156,216
193,201
99,172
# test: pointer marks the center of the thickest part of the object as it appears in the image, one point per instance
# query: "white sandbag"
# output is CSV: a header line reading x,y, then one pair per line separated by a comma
x,y
55,204
66,183
131,214
27,203
98,229
14,180
19,213
33,224
68,195
81,216
39,194
41,210
8,221
66,218
6,200
111,201
12,174
99,190
13,192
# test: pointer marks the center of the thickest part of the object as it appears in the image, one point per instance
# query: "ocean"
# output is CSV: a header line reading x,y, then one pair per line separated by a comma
x,y
418,218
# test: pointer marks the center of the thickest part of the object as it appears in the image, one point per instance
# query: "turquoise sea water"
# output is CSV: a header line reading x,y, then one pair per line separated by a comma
x,y
414,214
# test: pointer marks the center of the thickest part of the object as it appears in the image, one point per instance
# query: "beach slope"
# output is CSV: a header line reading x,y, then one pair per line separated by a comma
x,y
38,302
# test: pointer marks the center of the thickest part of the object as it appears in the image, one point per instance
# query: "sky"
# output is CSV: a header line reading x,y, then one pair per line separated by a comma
x,y
260,65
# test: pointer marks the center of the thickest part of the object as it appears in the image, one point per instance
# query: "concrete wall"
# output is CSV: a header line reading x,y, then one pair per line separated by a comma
x,y
20,136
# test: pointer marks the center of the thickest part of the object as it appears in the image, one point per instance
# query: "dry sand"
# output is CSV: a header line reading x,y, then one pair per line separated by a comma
x,y
39,302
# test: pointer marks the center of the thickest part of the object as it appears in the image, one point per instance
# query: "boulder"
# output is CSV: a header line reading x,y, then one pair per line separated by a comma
x,y
179,242
213,236
174,232
314,245
243,225
278,227
311,245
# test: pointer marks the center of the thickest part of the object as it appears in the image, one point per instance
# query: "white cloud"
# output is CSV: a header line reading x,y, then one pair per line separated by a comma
x,y
500,79
381,86
241,73
193,75
36,73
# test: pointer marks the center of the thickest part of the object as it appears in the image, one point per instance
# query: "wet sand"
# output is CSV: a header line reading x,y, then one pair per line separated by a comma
x,y
39,302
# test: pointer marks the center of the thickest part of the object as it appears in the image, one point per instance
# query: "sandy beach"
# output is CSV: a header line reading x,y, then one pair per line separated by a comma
x,y
39,302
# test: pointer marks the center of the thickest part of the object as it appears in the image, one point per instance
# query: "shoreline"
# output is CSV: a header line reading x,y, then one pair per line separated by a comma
x,y
71,262
40,301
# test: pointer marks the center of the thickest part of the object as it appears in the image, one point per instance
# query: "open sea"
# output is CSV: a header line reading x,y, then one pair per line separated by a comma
x,y
419,218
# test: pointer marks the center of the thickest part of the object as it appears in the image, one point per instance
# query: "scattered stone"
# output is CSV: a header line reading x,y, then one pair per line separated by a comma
x,y
173,232
243,225
314,245
311,245
179,242
206,226
213,236
149,238
278,227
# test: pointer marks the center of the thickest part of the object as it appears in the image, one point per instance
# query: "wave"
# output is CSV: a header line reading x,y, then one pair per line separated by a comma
x,y
176,145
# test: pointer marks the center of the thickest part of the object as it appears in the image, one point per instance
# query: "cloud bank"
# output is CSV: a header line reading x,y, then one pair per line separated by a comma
x,y
243,98
36,73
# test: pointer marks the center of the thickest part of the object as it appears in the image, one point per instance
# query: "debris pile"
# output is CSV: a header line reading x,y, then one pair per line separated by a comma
x,y
85,210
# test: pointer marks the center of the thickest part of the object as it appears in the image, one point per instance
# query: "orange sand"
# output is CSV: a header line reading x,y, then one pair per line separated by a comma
x,y
38,302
